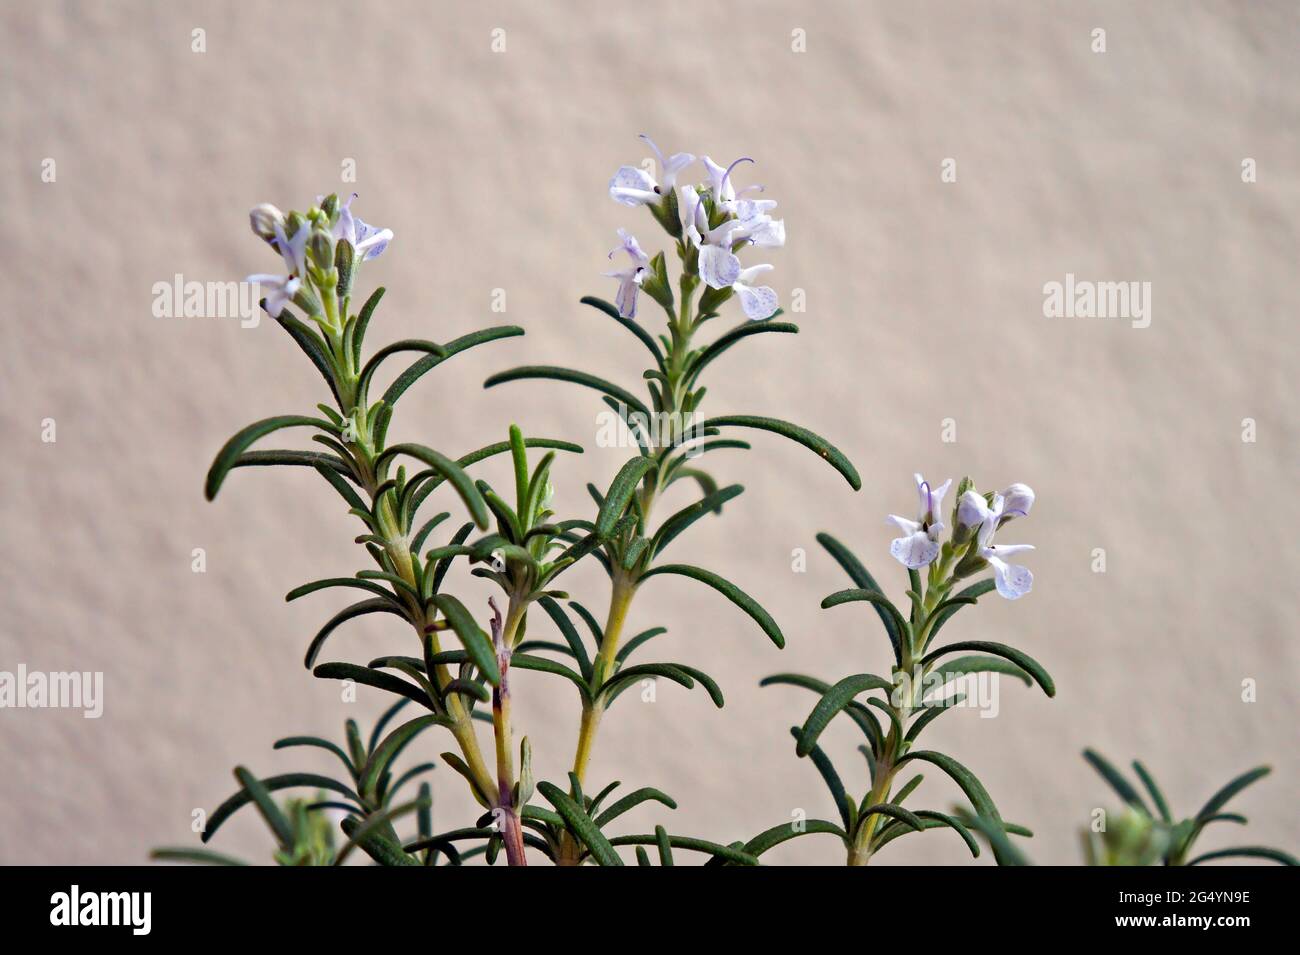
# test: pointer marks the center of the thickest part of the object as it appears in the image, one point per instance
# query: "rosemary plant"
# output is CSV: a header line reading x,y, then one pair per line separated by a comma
x,y
526,548
707,225
1140,836
459,661
919,687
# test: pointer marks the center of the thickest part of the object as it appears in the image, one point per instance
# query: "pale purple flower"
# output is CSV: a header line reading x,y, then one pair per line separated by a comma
x,y
919,545
629,279
633,186
758,301
367,241
1012,580
747,223
277,290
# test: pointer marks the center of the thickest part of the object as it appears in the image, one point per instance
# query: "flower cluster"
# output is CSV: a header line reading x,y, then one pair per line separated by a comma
x,y
711,221
976,518
319,247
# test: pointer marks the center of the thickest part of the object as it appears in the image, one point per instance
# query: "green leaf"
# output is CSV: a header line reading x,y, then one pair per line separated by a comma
x,y
976,664
728,590
526,661
620,493
236,446
904,816
267,807
363,322
627,323
719,852
788,830
569,375
630,801
444,563
271,784
570,634
832,779
351,582
201,856
337,479
406,344
384,719
1156,795
580,824
973,592
1220,799
319,743
795,433
454,347
963,777
710,687
1248,852
312,344
329,464
664,845
374,605
1116,780
859,575
929,820
381,681
630,646
687,516
835,699
393,743
884,607
1019,658
472,637
865,719
375,825
449,470
730,338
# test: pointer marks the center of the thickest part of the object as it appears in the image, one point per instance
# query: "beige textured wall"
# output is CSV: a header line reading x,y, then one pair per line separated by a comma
x,y
924,302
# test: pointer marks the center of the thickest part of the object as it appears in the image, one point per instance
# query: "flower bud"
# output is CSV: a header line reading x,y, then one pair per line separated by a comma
x,y
330,205
293,222
264,218
971,509
344,259
1017,500
321,248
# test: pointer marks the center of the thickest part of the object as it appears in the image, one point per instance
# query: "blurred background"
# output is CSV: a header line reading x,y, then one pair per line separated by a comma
x,y
488,153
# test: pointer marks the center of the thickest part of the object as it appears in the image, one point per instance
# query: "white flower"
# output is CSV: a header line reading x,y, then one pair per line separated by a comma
x,y
277,290
629,279
920,544
748,223
633,186
1013,581
1018,498
293,251
264,218
367,241
758,301
756,226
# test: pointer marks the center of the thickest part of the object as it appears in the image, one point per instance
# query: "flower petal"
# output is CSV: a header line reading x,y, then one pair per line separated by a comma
x,y
718,267
632,186
758,301
914,551
1012,580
